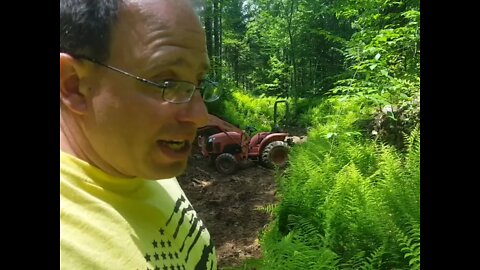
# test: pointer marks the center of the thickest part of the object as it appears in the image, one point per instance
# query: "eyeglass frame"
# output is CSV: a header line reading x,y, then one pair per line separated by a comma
x,y
162,86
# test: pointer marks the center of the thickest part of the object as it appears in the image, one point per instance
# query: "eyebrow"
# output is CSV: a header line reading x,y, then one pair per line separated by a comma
x,y
179,62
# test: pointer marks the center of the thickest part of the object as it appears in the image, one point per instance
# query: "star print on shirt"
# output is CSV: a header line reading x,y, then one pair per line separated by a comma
x,y
181,241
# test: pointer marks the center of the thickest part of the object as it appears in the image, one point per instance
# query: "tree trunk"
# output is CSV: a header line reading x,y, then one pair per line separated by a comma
x,y
216,39
292,51
208,30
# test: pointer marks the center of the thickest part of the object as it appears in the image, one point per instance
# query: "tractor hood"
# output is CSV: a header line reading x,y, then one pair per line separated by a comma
x,y
223,126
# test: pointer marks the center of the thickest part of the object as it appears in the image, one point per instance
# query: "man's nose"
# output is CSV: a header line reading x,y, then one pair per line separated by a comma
x,y
194,111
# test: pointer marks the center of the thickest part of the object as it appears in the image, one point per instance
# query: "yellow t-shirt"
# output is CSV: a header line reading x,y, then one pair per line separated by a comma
x,y
116,223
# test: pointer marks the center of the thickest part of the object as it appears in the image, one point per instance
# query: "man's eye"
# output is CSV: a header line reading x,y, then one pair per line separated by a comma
x,y
169,84
161,78
160,82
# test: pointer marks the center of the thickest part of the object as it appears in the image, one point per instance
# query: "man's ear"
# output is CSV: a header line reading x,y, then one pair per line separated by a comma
x,y
70,94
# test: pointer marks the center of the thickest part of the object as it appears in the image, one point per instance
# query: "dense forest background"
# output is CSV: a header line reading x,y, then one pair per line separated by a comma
x,y
350,70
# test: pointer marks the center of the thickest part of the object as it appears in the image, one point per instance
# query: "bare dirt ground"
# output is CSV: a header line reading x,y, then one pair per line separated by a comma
x,y
228,206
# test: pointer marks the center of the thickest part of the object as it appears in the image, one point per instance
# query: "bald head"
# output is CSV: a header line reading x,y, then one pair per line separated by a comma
x,y
173,11
85,26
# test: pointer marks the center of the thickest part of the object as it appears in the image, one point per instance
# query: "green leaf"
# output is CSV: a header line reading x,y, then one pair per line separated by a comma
x,y
329,135
372,67
322,144
414,261
377,56
353,133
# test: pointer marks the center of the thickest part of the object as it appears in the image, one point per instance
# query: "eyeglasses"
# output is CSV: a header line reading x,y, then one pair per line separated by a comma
x,y
172,91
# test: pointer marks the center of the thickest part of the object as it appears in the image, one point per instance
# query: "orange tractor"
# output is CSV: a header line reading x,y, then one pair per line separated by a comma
x,y
227,146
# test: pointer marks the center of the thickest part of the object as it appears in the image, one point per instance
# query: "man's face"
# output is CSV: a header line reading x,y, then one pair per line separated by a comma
x,y
128,123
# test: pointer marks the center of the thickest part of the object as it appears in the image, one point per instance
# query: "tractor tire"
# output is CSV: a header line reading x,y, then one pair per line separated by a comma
x,y
275,154
226,163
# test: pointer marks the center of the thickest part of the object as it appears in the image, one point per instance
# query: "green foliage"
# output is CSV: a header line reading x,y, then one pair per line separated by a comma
x,y
410,243
336,116
357,201
269,208
245,110
350,70
290,252
303,49
383,56
399,182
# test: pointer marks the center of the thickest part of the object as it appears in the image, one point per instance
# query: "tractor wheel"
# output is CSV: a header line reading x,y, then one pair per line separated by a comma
x,y
275,154
226,163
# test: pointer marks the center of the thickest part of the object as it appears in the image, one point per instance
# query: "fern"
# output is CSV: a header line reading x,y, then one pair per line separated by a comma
x,y
346,201
355,262
306,231
289,252
352,222
374,261
400,185
269,208
412,163
409,241
246,110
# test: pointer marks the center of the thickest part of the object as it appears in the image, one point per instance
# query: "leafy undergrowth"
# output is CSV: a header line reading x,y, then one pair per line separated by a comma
x,y
348,204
